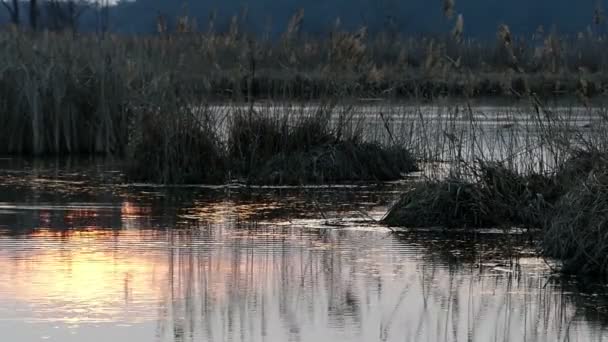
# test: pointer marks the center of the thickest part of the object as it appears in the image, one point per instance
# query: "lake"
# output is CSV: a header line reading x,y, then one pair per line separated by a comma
x,y
86,256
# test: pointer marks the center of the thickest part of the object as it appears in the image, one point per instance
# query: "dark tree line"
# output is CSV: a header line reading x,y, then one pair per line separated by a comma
x,y
56,15
14,11
481,18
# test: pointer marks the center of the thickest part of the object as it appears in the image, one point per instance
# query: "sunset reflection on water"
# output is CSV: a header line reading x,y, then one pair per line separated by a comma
x,y
219,267
70,278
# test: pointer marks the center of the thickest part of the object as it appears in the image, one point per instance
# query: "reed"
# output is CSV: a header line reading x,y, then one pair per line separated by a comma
x,y
575,229
498,197
298,66
542,168
62,94
175,144
60,99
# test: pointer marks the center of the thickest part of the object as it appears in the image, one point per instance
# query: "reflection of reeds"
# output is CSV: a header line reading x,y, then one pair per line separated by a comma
x,y
264,283
220,293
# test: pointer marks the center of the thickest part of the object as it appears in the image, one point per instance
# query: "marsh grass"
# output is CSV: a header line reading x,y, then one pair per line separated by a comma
x,y
546,172
184,149
497,197
66,94
270,144
310,146
58,101
575,230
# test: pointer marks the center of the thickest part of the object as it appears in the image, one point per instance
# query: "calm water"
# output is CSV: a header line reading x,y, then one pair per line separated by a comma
x,y
84,258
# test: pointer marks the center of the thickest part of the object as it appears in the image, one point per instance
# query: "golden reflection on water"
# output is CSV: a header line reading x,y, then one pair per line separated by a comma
x,y
229,280
83,282
228,211
130,209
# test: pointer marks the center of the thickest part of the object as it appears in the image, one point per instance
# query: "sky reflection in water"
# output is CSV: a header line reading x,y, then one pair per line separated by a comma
x,y
124,264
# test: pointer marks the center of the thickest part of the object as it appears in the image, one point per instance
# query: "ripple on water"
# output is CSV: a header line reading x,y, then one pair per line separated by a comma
x,y
127,263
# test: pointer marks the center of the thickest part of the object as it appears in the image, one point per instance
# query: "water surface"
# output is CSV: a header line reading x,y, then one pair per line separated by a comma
x,y
86,257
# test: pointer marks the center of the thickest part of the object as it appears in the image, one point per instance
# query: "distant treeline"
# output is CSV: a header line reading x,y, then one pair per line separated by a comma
x,y
270,17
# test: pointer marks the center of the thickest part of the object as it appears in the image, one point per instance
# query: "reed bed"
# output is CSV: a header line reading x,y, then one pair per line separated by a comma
x,y
543,169
270,145
318,145
575,229
498,198
176,144
66,94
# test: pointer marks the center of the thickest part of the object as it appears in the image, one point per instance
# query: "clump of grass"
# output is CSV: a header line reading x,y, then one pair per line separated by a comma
x,y
176,147
283,146
581,163
568,206
576,231
309,148
496,197
342,161
253,138
449,203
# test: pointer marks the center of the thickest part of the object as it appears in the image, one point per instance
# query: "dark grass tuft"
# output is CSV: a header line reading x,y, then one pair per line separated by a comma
x,y
570,207
576,230
335,162
283,149
498,197
289,151
450,203
181,150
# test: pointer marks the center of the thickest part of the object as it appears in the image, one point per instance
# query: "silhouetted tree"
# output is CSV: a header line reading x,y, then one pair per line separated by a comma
x,y
34,15
13,11
102,12
390,16
64,14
